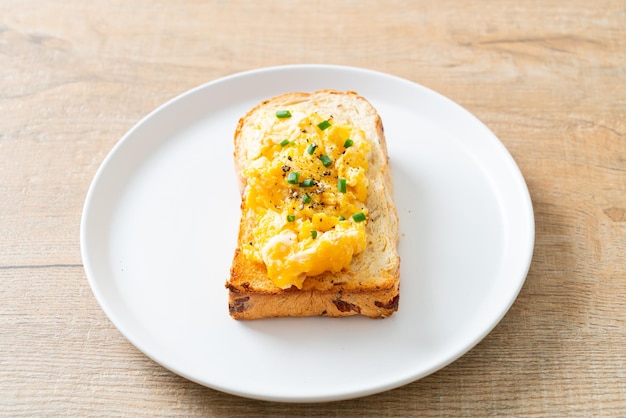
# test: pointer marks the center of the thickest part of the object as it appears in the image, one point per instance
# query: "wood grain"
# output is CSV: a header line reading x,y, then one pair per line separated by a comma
x,y
548,77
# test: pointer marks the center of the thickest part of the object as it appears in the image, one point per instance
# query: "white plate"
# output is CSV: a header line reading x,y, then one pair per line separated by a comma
x,y
160,223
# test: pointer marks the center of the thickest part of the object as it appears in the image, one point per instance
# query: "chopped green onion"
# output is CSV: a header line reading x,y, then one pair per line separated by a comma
x,y
284,143
306,199
342,185
307,183
293,177
323,125
359,217
313,234
291,218
283,114
311,149
326,160
342,218
348,143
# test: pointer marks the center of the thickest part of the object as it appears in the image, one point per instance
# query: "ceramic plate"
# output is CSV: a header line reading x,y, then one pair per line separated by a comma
x,y
160,225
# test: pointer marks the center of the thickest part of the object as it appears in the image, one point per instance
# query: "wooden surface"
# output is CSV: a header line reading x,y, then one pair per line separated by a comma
x,y
548,77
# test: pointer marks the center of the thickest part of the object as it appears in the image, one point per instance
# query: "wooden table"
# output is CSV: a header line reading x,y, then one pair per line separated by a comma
x,y
548,77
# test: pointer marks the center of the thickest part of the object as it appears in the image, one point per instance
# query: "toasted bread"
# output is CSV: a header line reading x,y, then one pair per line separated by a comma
x,y
370,285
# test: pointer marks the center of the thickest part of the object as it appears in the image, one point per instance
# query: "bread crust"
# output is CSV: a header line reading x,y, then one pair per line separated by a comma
x,y
370,286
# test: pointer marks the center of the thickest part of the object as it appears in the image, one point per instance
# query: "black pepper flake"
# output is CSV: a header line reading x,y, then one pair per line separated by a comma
x,y
289,157
286,168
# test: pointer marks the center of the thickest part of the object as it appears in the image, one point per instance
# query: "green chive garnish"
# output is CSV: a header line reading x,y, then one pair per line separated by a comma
x,y
326,160
283,114
306,199
359,217
323,125
311,149
313,234
307,183
291,218
342,218
292,178
342,185
348,143
284,143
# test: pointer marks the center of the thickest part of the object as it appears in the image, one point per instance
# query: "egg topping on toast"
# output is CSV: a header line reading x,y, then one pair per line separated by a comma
x,y
307,186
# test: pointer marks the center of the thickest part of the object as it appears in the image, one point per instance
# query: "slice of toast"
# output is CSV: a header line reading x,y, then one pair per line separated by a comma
x,y
370,285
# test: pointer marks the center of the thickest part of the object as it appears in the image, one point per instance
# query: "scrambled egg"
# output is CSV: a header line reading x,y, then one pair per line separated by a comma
x,y
307,186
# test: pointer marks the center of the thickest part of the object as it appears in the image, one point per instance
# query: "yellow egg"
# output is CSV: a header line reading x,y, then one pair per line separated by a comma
x,y
304,216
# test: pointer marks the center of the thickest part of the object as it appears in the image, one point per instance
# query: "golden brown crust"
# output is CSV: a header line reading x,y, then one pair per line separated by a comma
x,y
338,302
370,287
